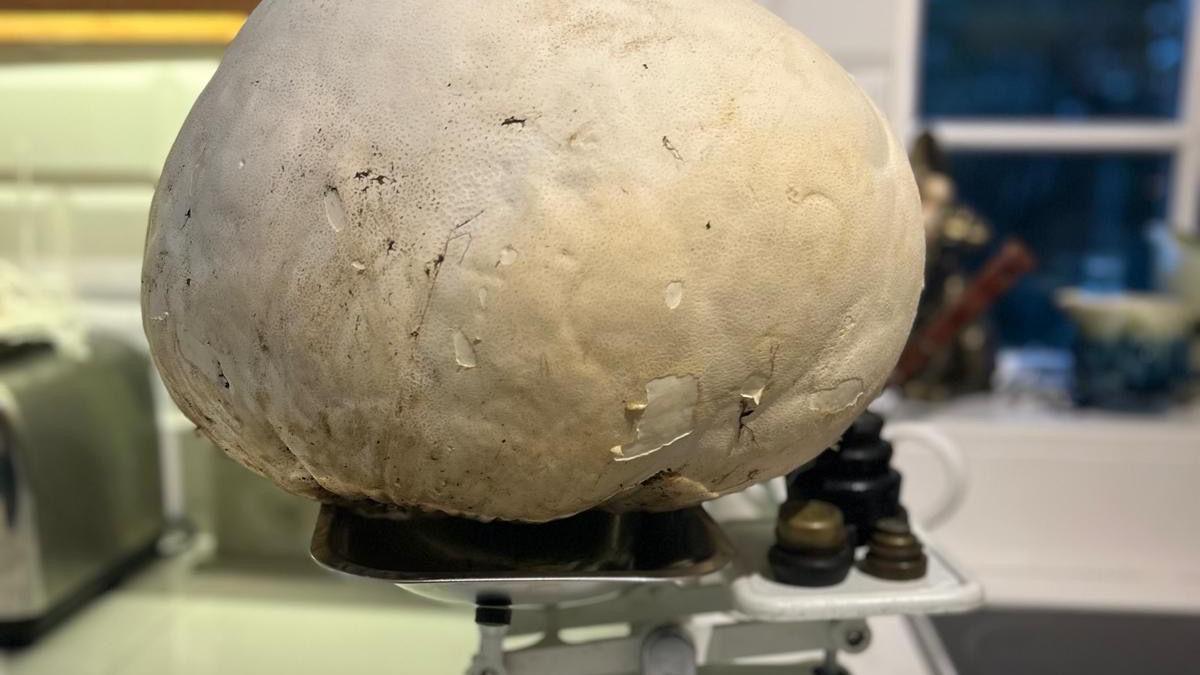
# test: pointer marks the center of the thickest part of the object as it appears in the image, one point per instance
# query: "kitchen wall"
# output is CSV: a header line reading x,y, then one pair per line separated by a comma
x,y
860,34
82,145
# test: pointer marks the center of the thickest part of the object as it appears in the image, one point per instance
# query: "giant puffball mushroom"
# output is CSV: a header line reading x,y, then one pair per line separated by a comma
x,y
521,259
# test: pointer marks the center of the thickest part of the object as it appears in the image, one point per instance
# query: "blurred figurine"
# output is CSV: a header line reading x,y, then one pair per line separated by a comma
x,y
955,236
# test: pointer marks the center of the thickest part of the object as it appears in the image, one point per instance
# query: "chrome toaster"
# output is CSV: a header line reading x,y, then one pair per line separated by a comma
x,y
80,502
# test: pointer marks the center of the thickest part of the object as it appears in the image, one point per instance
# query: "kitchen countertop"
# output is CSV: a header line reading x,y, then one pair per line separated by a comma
x,y
1082,509
178,618
185,617
1049,493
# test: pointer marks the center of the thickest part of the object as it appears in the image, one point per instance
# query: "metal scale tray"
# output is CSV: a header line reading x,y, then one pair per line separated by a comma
x,y
587,557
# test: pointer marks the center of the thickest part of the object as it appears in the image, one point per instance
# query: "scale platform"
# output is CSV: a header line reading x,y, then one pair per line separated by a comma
x,y
586,557
943,589
596,554
697,595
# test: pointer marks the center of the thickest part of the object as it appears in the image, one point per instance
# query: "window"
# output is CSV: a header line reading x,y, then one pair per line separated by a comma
x,y
1053,58
1089,218
1072,124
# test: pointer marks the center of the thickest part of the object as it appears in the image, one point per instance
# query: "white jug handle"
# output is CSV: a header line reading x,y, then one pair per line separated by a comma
x,y
948,455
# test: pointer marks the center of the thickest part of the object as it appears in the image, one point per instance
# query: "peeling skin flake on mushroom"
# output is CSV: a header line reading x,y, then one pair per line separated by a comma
x,y
694,253
668,416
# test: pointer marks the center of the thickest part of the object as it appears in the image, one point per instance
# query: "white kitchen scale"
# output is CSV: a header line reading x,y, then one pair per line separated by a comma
x,y
697,596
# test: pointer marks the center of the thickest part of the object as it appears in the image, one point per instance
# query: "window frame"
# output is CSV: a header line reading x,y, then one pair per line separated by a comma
x,y
1179,138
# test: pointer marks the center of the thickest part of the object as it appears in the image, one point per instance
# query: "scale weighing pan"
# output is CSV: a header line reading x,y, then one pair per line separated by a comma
x,y
587,557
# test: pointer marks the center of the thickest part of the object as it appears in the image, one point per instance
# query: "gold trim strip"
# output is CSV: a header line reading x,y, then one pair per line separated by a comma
x,y
119,28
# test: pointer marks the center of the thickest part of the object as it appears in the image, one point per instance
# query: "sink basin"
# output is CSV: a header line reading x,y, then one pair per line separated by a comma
x,y
1044,642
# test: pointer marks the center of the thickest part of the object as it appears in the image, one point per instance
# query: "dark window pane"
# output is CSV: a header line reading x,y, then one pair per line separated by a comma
x,y
1087,217
1053,58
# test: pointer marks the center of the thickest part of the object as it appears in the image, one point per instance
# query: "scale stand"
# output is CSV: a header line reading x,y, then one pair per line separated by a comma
x,y
697,596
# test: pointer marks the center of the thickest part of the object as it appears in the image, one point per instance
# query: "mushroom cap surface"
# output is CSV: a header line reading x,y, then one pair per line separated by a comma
x,y
518,260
